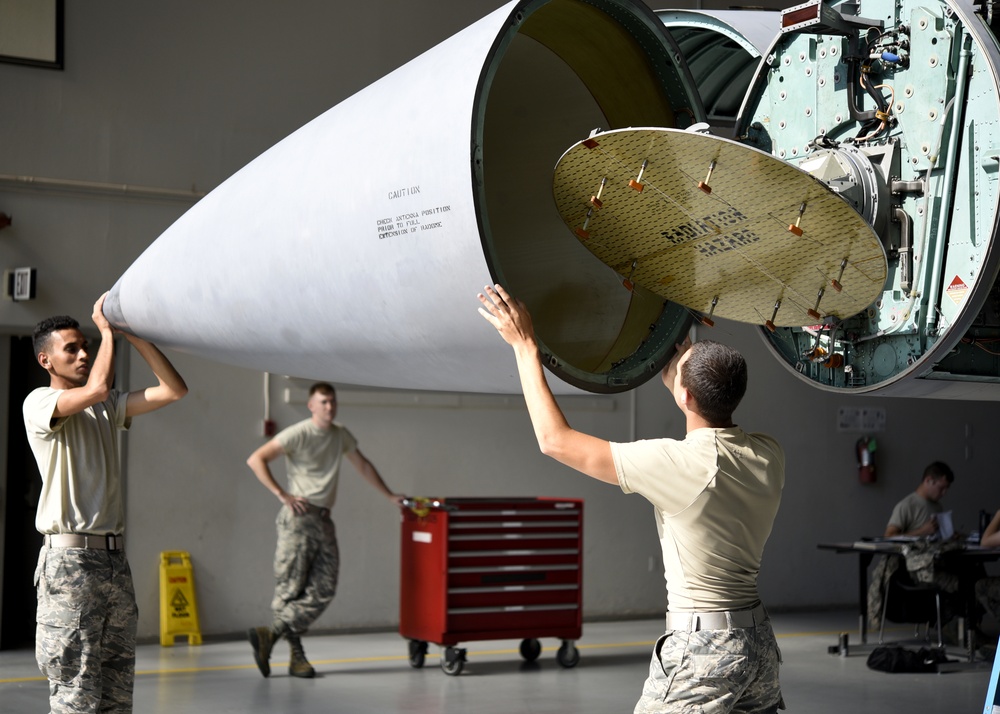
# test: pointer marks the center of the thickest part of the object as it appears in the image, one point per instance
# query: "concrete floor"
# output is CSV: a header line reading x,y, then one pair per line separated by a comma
x,y
371,673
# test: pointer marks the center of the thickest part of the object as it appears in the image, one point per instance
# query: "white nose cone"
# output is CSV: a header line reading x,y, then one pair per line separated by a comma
x,y
353,250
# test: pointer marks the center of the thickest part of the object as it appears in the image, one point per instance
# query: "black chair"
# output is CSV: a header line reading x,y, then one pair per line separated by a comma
x,y
905,601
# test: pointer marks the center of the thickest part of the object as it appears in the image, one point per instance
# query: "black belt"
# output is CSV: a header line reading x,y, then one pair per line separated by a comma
x,y
322,511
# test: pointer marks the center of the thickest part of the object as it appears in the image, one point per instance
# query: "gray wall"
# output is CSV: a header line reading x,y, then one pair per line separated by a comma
x,y
180,95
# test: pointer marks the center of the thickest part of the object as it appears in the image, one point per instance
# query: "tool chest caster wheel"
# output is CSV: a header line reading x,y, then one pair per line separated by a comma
x,y
568,655
530,649
418,653
453,661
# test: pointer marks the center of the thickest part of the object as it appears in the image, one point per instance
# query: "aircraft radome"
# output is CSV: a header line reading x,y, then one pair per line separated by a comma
x,y
352,250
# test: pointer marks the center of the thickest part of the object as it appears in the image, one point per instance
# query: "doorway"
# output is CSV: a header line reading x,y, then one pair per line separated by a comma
x,y
21,541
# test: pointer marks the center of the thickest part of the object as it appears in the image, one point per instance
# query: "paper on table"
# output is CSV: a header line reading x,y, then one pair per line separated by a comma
x,y
945,527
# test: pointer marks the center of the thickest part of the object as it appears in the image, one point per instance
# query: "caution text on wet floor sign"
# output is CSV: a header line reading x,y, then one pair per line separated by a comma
x,y
178,607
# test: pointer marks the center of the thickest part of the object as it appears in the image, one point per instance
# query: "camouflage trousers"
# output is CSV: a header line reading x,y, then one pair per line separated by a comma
x,y
306,566
988,593
86,627
714,672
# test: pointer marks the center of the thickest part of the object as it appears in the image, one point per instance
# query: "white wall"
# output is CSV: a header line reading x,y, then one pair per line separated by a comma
x,y
180,95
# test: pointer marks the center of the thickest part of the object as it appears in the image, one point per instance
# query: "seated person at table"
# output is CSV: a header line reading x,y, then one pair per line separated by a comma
x,y
916,515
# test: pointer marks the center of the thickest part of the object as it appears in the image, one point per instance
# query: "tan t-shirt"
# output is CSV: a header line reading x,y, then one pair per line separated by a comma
x,y
313,457
78,459
913,512
716,494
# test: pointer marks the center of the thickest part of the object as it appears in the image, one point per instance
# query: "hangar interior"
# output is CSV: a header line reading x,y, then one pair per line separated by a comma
x,y
158,104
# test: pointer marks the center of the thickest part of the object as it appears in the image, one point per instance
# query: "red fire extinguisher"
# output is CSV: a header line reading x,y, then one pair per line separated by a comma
x,y
866,459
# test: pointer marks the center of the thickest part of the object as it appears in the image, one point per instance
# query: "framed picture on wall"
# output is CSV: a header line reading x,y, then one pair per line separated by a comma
x,y
31,32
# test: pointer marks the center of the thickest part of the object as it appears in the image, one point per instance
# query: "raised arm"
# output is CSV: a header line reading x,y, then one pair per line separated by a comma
x,y
170,385
258,463
991,536
102,370
371,475
587,454
929,527
670,375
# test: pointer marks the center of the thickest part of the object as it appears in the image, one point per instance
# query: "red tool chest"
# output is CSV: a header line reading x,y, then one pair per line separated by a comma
x,y
491,569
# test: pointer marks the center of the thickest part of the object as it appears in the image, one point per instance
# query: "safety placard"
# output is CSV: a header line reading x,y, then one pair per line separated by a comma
x,y
178,606
957,290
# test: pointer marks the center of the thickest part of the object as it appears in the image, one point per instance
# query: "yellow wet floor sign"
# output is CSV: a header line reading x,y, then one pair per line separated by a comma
x,y
178,607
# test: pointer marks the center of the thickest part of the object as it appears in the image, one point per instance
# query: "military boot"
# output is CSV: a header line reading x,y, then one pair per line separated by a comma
x,y
262,640
298,665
